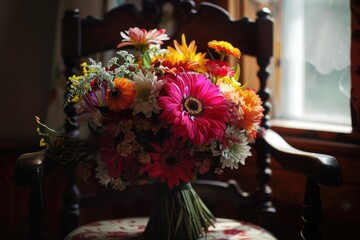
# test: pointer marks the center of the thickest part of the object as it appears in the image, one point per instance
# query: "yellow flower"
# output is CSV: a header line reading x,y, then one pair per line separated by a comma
x,y
229,80
224,48
122,96
75,80
43,143
37,119
75,99
185,55
85,68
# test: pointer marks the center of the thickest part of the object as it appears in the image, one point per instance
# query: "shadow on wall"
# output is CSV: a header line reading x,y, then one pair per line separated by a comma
x,y
31,64
27,50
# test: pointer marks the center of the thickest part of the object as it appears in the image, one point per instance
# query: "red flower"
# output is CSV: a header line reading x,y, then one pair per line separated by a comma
x,y
171,162
219,68
115,162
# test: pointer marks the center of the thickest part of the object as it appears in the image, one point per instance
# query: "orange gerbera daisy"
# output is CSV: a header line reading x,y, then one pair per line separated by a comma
x,y
122,96
224,48
186,55
253,110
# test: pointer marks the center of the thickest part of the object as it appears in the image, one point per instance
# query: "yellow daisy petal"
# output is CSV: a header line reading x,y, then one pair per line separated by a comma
x,y
224,48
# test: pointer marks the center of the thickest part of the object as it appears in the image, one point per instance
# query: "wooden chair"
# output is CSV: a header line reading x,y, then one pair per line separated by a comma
x,y
84,37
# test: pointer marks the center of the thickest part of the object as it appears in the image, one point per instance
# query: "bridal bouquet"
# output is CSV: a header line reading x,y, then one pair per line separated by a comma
x,y
159,115
164,114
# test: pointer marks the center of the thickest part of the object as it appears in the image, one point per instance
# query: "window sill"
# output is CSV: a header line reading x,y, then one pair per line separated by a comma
x,y
323,127
315,131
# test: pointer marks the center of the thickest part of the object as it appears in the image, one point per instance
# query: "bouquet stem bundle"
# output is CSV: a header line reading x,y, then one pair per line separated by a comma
x,y
178,214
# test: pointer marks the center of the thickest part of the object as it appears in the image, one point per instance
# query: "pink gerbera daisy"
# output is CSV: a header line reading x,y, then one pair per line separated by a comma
x,y
172,162
195,108
142,38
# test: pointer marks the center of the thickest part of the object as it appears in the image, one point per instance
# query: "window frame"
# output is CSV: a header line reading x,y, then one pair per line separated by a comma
x,y
341,134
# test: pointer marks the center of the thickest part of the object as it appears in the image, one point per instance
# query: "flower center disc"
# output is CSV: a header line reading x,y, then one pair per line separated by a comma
x,y
171,161
193,106
116,93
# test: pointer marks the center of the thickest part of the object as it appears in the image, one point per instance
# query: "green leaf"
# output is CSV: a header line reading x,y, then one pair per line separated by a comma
x,y
146,60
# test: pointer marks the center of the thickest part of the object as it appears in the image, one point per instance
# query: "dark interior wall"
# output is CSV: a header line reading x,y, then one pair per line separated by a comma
x,y
30,63
27,39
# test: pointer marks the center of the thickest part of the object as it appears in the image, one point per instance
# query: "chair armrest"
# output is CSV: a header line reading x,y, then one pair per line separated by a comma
x,y
28,168
323,169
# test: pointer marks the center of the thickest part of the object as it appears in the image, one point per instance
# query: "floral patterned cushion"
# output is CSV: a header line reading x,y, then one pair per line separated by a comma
x,y
132,227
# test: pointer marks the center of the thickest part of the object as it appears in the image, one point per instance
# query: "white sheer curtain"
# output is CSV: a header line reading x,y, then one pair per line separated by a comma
x,y
316,61
328,34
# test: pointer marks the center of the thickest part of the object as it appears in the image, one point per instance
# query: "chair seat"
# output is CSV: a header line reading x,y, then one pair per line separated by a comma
x,y
133,227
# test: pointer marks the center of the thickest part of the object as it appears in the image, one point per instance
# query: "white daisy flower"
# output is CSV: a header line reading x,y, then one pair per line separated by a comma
x,y
102,173
118,184
104,179
156,50
236,150
147,89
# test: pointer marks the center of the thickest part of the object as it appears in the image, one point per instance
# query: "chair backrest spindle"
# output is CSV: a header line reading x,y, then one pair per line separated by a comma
x,y
312,211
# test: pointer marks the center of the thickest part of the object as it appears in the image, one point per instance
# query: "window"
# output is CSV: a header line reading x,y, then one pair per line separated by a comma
x,y
310,72
315,61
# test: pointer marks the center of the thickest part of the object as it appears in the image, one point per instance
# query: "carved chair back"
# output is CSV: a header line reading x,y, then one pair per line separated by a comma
x,y
84,37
